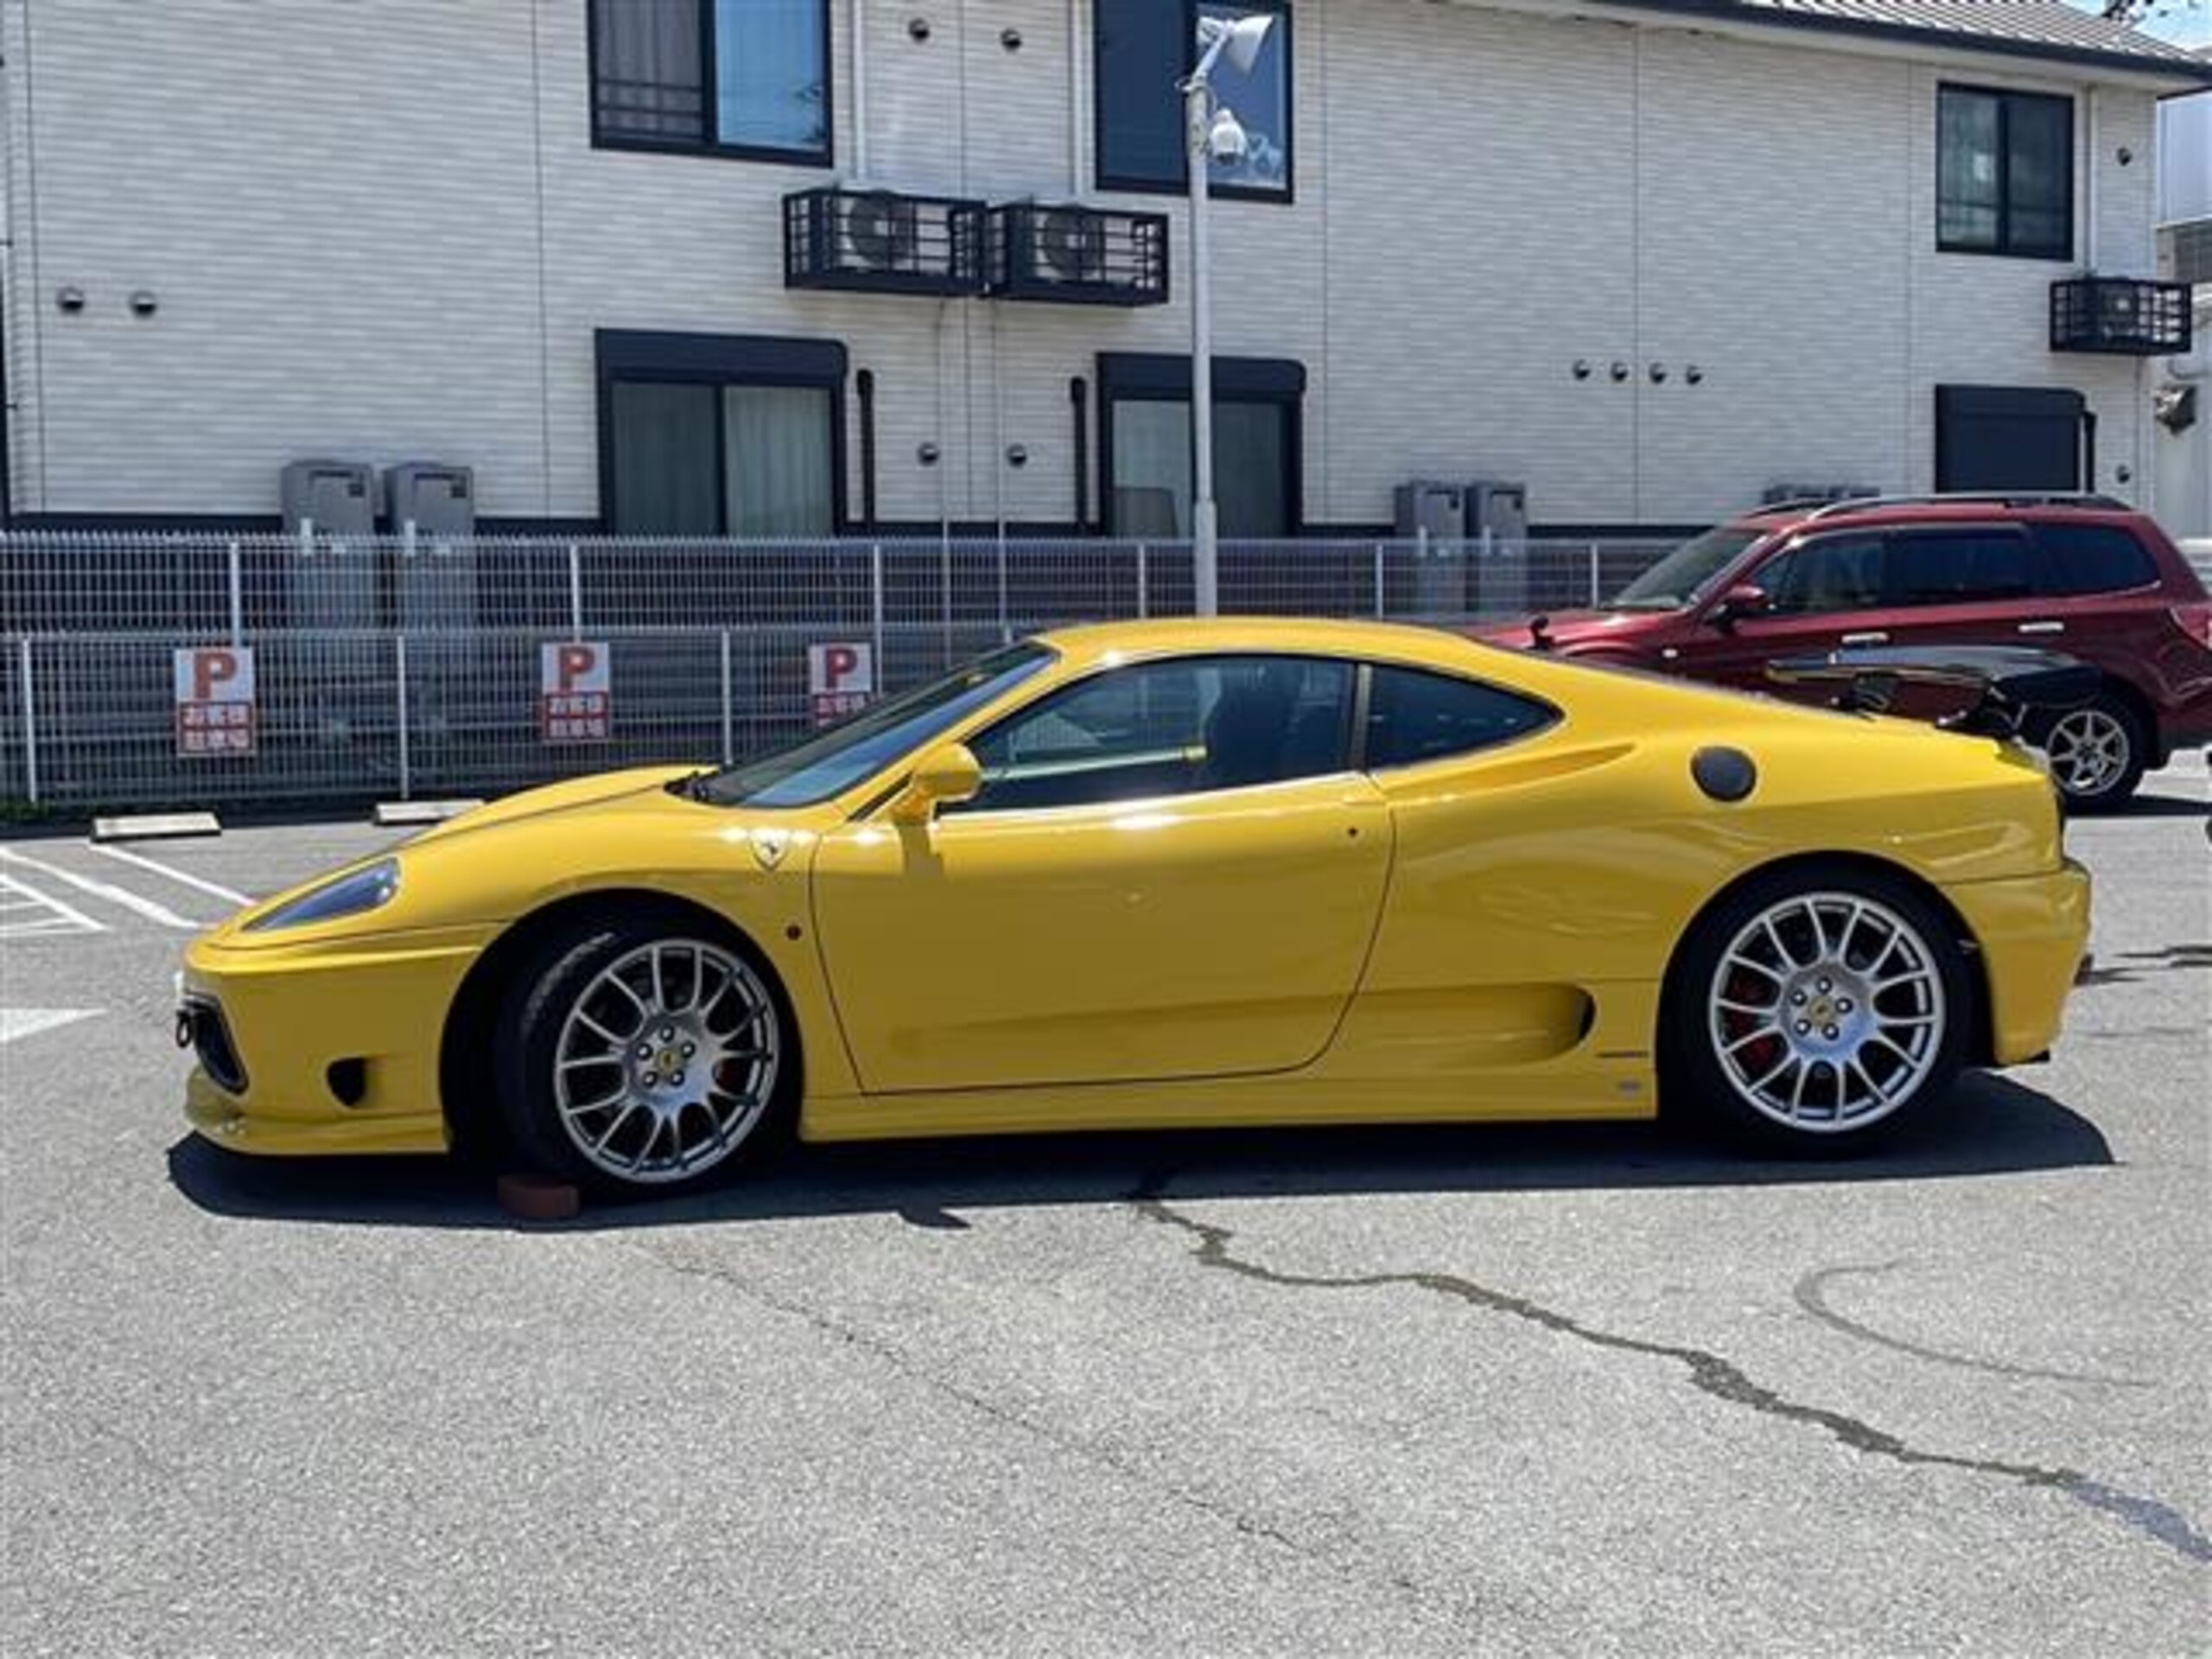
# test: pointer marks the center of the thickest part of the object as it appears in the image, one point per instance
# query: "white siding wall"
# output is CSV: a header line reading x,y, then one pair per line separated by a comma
x,y
378,229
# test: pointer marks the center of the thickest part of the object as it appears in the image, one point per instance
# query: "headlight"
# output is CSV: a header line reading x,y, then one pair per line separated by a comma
x,y
349,895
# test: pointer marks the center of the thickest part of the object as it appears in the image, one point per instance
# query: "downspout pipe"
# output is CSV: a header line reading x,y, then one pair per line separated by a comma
x,y
857,26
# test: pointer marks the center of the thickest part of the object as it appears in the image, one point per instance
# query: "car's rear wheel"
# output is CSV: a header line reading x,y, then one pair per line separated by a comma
x,y
2097,752
1815,1010
643,1057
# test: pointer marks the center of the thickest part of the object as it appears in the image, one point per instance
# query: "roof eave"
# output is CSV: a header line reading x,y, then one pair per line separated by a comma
x,y
2167,76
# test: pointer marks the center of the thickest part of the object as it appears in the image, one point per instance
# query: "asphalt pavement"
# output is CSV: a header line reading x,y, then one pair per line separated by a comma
x,y
1396,1392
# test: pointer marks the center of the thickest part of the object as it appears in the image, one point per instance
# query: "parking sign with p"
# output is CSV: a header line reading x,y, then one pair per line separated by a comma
x,y
840,679
214,700
576,692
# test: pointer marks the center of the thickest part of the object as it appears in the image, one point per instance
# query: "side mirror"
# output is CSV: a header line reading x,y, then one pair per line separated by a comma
x,y
1744,598
944,776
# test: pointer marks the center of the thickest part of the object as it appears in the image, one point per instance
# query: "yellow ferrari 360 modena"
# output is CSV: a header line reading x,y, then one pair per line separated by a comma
x,y
1171,873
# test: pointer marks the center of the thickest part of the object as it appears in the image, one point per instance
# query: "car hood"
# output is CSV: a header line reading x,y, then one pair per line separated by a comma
x,y
1575,629
619,830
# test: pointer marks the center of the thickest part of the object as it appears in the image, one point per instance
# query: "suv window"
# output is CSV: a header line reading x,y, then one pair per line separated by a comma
x,y
2095,559
1176,728
1837,573
1414,716
1961,567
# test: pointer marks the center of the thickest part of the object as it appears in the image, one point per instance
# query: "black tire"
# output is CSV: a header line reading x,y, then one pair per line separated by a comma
x,y
536,1015
2103,774
1698,1019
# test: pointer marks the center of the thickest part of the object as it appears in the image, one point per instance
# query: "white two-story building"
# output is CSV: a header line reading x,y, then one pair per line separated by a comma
x,y
785,267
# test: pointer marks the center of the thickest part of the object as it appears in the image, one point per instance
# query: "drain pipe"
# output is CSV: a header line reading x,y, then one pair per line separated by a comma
x,y
1075,101
857,26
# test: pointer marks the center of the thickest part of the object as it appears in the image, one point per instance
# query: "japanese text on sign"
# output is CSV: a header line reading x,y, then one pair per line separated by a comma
x,y
575,693
214,700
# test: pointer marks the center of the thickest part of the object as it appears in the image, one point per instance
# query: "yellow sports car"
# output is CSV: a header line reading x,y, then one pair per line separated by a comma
x,y
1186,873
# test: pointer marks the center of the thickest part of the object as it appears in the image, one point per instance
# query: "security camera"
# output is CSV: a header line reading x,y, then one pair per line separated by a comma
x,y
1225,141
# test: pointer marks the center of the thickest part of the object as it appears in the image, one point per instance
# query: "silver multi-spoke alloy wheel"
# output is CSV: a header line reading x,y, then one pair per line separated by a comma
x,y
1826,1011
666,1061
2089,751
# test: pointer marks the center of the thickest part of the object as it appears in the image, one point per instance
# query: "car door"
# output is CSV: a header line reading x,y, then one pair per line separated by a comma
x,y
1171,871
1821,594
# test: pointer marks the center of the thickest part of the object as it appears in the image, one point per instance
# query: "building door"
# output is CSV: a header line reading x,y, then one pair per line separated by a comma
x,y
2011,438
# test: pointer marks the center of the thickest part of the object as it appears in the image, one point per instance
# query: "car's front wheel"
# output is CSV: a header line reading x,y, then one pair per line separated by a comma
x,y
1816,1009
2097,753
642,1056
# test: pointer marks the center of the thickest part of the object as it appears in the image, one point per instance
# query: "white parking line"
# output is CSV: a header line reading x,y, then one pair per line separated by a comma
x,y
114,895
18,1023
189,880
48,916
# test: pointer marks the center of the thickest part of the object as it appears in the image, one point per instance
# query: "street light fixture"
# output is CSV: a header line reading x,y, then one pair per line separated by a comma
x,y
1212,132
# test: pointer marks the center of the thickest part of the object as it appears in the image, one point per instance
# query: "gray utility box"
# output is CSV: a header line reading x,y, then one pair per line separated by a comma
x,y
1434,516
1498,538
438,500
432,509
334,572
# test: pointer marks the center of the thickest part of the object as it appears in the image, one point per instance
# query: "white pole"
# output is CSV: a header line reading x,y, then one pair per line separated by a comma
x,y
399,671
237,598
576,592
1205,524
30,721
729,746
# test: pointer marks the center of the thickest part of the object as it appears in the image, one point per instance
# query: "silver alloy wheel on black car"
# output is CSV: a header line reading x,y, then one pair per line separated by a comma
x,y
2091,750
666,1061
1826,1011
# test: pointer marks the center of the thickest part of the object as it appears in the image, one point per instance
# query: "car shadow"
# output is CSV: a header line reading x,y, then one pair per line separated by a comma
x,y
1993,1126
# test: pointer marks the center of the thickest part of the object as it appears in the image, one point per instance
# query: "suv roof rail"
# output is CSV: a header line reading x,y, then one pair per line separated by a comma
x,y
1971,498
1798,503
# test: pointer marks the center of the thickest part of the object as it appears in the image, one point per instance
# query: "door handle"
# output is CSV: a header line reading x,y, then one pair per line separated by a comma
x,y
1866,639
2043,627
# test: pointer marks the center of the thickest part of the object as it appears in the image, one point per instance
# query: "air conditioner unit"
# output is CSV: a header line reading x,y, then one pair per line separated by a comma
x,y
878,232
1070,247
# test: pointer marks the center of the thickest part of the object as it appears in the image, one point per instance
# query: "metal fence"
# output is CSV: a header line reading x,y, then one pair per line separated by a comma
x,y
400,668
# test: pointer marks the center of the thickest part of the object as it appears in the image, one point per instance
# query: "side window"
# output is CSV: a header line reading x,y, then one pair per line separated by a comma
x,y
1964,567
1413,716
2095,559
1838,572
1155,729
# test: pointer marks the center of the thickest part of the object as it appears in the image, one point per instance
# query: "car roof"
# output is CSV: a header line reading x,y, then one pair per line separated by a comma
x,y
1094,642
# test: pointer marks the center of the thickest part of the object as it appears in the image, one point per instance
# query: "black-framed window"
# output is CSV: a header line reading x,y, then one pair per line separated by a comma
x,y
1140,49
742,78
721,434
1413,715
1144,450
2004,173
1183,726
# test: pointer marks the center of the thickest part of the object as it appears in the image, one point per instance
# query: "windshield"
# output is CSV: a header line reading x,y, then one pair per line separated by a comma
x,y
831,762
1683,574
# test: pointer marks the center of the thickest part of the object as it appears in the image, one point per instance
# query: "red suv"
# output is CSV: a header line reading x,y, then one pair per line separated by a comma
x,y
2081,575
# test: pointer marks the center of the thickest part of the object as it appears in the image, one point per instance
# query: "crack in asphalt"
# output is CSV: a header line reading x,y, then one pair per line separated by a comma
x,y
1213,1509
1709,1373
1811,1292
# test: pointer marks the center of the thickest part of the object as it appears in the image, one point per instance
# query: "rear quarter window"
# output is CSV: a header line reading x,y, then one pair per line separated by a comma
x,y
2095,559
1413,715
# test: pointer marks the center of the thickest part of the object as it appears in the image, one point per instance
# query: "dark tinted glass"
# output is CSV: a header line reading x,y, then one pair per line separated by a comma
x,y
818,767
649,82
1840,573
1158,729
1414,716
2004,173
2039,175
1141,52
1959,567
2095,559
1969,183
